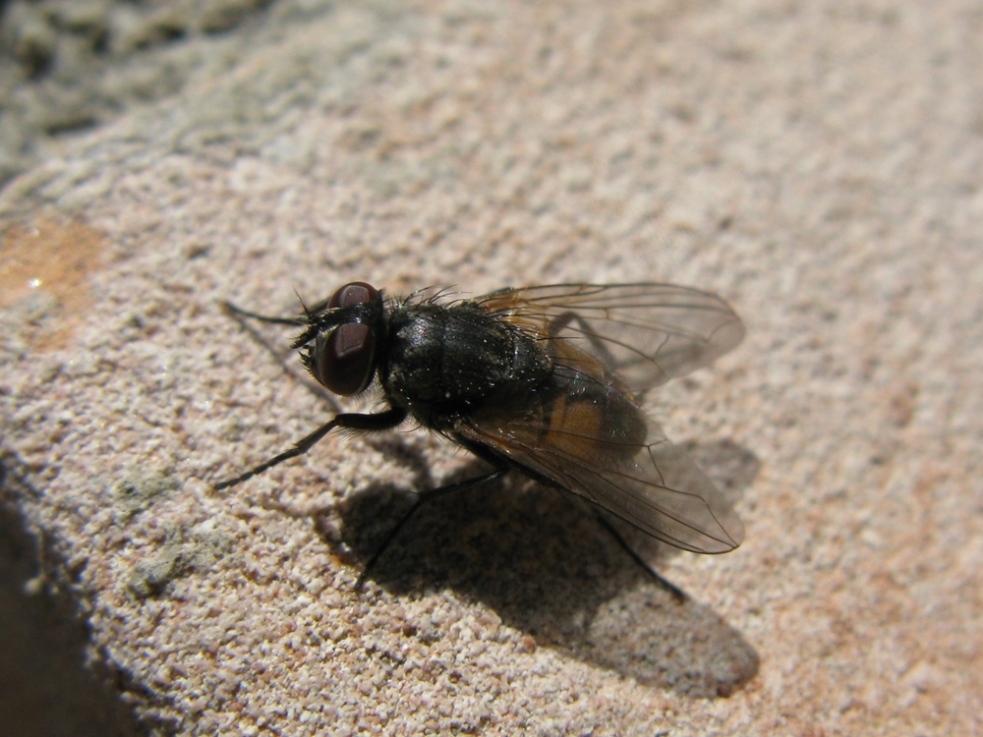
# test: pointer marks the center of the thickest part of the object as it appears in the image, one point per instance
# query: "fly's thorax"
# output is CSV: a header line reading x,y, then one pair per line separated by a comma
x,y
443,362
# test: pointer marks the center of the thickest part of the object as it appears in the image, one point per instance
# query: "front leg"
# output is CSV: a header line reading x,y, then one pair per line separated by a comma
x,y
381,421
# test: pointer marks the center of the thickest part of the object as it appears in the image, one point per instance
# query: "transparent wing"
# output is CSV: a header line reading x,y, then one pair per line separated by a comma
x,y
646,333
649,482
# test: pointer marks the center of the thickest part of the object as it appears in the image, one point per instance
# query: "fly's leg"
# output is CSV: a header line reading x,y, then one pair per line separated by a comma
x,y
239,314
423,498
381,421
572,318
238,311
555,326
677,593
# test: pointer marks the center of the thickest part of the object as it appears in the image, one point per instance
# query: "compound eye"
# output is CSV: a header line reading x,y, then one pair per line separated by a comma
x,y
346,359
353,293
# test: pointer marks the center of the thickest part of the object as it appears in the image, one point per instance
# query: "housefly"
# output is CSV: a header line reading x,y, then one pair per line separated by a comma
x,y
546,380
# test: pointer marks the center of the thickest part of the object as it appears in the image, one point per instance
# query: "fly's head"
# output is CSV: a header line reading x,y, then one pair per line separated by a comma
x,y
341,344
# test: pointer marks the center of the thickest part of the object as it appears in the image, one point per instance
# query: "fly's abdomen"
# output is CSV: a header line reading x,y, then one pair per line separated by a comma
x,y
589,419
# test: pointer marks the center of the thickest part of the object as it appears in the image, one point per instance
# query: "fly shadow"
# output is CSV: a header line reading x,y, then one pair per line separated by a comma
x,y
552,571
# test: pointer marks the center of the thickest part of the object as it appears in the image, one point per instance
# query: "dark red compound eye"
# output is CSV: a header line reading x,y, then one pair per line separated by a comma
x,y
353,293
345,359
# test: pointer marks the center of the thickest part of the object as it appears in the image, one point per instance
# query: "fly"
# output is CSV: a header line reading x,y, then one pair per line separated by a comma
x,y
546,380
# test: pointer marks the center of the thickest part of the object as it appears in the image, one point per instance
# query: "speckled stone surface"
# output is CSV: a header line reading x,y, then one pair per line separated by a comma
x,y
818,166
